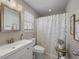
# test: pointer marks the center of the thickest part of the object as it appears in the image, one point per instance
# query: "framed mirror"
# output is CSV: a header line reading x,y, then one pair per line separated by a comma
x,y
74,27
72,24
10,19
77,30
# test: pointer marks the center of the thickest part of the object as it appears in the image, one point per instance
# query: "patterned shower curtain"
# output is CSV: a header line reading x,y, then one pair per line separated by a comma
x,y
49,30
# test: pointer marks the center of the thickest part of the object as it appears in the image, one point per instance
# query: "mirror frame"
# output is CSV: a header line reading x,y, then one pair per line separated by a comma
x,y
73,22
2,18
72,25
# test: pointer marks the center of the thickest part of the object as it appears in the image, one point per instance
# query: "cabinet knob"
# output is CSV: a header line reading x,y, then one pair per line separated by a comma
x,y
27,48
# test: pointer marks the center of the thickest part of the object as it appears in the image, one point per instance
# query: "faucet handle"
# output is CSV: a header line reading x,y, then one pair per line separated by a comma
x,y
10,40
21,36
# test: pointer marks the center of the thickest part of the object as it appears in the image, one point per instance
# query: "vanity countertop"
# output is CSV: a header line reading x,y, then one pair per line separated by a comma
x,y
6,50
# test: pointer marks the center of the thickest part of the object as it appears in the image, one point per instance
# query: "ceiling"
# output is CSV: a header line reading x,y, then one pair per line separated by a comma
x,y
42,6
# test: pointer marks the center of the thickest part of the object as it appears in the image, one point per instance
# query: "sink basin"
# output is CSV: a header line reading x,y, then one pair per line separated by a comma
x,y
15,44
5,47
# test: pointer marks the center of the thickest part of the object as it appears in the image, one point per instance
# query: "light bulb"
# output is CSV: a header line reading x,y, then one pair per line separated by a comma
x,y
50,10
19,8
3,0
13,4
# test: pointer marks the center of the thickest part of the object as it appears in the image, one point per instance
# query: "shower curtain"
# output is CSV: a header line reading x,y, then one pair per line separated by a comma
x,y
49,30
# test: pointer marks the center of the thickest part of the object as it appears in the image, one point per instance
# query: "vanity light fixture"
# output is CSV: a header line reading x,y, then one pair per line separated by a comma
x,y
19,7
13,3
3,0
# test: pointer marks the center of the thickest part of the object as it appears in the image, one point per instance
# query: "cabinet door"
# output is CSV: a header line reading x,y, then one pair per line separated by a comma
x,y
17,55
29,53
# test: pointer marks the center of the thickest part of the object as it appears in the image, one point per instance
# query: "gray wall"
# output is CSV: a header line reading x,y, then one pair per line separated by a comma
x,y
73,45
7,35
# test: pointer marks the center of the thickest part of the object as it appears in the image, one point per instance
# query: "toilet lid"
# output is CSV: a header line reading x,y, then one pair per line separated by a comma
x,y
39,49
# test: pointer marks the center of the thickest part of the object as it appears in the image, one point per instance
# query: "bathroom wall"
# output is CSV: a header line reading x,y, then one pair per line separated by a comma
x,y
73,45
72,6
7,35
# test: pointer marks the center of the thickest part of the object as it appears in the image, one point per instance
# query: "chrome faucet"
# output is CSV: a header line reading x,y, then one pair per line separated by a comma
x,y
11,40
21,36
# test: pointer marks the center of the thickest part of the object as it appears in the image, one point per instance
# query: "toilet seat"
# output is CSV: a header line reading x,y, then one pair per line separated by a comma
x,y
39,49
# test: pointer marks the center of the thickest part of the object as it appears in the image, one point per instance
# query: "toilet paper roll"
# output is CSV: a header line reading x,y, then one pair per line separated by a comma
x,y
62,57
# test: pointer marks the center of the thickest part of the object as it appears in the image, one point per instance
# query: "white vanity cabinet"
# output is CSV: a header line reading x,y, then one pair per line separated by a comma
x,y
24,53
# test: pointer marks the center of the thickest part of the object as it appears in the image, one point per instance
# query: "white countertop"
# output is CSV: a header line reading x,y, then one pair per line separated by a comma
x,y
10,48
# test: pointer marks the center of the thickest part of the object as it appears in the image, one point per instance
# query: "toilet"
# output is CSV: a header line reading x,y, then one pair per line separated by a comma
x,y
38,52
